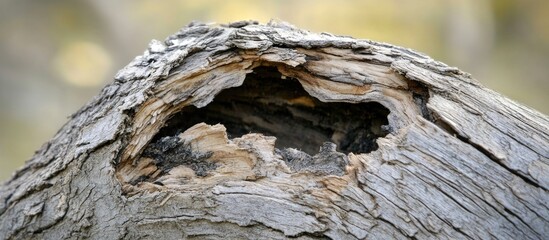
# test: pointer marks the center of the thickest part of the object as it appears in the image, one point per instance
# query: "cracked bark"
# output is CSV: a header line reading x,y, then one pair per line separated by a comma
x,y
233,118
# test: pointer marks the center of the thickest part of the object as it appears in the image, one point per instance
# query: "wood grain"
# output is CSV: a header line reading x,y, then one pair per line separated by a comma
x,y
447,158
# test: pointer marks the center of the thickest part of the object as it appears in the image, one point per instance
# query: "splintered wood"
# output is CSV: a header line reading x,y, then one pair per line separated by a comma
x,y
250,131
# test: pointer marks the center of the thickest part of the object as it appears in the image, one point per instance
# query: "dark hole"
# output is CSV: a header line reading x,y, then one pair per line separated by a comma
x,y
278,107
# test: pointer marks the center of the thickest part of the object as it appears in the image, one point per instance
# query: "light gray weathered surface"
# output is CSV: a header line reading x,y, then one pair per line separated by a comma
x,y
453,160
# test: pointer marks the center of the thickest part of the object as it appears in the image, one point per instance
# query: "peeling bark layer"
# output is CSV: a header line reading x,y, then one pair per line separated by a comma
x,y
270,132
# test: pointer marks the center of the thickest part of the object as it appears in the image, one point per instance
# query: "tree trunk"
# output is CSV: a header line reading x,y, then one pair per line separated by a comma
x,y
250,131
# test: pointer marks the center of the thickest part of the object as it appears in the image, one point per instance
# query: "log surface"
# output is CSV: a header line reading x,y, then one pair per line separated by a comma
x,y
249,131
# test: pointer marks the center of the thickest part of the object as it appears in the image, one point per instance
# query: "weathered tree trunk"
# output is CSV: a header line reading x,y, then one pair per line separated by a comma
x,y
372,141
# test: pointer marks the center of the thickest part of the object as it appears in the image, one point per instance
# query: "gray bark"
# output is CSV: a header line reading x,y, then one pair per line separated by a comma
x,y
418,149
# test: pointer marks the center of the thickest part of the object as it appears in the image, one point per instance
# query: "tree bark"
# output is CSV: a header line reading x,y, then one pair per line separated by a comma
x,y
248,131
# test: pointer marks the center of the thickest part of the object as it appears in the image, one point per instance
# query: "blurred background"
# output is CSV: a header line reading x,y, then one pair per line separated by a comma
x,y
56,54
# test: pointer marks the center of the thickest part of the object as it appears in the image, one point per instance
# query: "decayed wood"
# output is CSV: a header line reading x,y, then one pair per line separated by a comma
x,y
452,159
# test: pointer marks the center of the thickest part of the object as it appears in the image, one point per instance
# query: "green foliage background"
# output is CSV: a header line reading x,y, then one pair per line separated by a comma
x,y
57,54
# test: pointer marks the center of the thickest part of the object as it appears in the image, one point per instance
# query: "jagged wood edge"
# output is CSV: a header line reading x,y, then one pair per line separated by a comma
x,y
488,129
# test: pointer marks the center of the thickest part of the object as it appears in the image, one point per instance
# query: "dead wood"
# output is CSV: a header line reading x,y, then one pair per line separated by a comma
x,y
249,131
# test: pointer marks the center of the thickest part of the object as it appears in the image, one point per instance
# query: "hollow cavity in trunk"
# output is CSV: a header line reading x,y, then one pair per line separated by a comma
x,y
270,104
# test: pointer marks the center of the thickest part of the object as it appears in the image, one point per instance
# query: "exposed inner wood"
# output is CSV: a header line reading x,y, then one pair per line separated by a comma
x,y
269,104
310,135
460,161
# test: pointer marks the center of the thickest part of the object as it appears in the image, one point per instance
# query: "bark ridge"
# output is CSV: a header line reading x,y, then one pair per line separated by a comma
x,y
251,131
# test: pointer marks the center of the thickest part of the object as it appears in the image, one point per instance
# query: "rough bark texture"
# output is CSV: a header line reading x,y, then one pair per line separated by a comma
x,y
375,141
